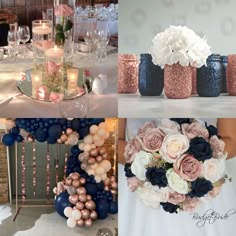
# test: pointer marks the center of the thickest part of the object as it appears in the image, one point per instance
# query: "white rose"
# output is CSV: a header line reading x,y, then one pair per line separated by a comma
x,y
151,195
213,169
138,166
168,126
173,146
176,182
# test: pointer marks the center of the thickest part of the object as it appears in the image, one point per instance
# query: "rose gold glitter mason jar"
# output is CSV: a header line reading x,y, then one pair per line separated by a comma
x,y
127,73
231,75
177,81
194,80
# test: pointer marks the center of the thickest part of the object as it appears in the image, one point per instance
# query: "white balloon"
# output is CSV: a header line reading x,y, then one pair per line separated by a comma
x,y
87,147
68,212
71,223
98,179
93,129
55,190
81,146
94,166
76,214
104,176
101,132
88,139
100,170
102,125
72,139
106,165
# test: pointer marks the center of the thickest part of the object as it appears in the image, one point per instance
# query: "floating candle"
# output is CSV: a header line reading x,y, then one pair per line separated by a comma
x,y
43,29
55,52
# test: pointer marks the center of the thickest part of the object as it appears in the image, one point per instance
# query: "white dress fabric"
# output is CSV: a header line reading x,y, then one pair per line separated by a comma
x,y
137,220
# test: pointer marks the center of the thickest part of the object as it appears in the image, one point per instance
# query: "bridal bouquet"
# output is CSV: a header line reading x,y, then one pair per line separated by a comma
x,y
177,163
178,44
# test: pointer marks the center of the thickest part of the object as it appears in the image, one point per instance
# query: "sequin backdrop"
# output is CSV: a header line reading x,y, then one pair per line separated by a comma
x,y
140,20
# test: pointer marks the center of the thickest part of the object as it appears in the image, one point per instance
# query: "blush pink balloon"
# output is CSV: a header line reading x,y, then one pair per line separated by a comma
x,y
99,159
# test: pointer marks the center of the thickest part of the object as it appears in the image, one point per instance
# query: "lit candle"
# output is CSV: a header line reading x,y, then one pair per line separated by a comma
x,y
43,29
55,52
72,78
37,80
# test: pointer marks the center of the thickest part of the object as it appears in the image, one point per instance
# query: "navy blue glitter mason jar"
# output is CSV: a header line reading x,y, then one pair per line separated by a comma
x,y
209,78
151,77
224,63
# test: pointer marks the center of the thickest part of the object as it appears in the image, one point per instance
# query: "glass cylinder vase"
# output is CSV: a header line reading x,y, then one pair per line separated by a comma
x,y
151,77
54,79
42,40
231,75
127,73
177,81
209,78
63,25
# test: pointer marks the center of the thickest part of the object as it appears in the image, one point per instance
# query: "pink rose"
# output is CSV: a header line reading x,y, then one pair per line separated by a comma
x,y
53,68
188,167
87,73
152,140
134,183
217,145
131,149
147,125
195,130
191,204
173,146
176,198
63,10
41,92
56,97
168,126
215,191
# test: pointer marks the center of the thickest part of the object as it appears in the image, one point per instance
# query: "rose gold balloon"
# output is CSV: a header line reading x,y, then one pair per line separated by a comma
x,y
68,181
105,156
83,166
89,197
82,157
82,197
88,222
93,215
102,151
99,159
59,141
76,183
80,206
114,192
63,137
85,214
81,190
106,188
91,160
94,152
90,205
113,178
82,180
107,181
114,185
80,223
69,131
75,176
73,199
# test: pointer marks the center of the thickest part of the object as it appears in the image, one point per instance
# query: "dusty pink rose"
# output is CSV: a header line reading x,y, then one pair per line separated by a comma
x,y
134,183
41,92
63,10
131,149
168,126
55,97
217,145
152,140
188,167
215,191
53,68
147,125
195,130
191,204
176,198
87,73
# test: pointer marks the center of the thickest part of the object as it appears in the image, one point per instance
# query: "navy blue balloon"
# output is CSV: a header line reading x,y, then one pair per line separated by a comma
x,y
19,138
40,135
15,130
55,131
102,207
61,202
100,186
51,140
8,139
62,121
75,150
75,124
97,121
91,189
113,208
83,132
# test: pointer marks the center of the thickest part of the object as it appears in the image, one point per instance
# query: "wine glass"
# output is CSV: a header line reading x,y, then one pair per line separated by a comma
x,y
89,40
23,34
12,43
102,40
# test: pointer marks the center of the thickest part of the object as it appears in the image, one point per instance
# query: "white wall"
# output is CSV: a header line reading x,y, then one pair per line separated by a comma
x,y
140,20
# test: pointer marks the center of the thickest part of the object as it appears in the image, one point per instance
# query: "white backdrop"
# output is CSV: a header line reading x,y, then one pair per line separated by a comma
x,y
140,21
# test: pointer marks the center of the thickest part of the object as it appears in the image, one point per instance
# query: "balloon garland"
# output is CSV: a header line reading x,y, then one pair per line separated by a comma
x,y
87,193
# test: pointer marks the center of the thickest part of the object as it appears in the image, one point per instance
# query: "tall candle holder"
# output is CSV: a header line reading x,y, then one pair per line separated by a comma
x,y
42,33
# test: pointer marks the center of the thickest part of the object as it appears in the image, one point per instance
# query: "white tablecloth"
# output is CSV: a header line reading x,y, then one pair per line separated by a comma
x,y
22,106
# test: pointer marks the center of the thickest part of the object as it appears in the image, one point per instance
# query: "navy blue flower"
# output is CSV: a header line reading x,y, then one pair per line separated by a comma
x,y
169,207
157,176
200,187
200,149
212,130
128,172
181,121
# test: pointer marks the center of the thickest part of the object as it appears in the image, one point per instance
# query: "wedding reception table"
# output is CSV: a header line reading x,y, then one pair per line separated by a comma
x,y
136,106
104,105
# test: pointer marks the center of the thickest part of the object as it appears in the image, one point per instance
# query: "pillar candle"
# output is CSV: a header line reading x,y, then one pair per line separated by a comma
x,y
72,78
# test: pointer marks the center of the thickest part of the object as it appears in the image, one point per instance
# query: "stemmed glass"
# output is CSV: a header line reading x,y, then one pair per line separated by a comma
x,y
23,34
12,43
89,39
102,40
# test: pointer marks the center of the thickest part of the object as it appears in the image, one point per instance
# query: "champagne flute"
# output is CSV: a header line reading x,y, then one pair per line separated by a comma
x,y
23,34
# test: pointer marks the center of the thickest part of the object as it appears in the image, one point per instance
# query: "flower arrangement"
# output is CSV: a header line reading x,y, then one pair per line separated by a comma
x,y
179,44
177,163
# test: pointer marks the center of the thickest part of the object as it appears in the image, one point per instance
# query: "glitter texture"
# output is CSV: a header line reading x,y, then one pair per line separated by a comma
x,y
48,172
194,80
231,75
209,78
151,77
34,169
23,193
177,81
127,73
65,162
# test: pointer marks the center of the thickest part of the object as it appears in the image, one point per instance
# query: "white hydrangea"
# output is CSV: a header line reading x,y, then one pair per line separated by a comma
x,y
179,44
